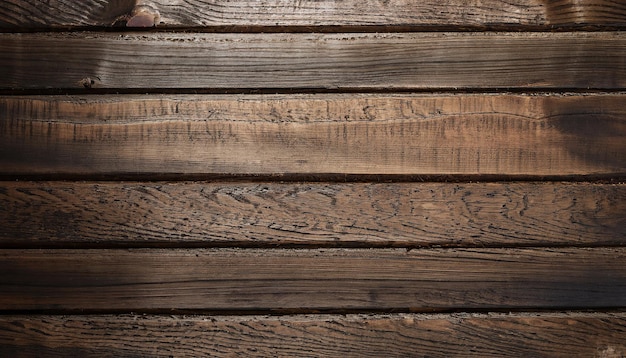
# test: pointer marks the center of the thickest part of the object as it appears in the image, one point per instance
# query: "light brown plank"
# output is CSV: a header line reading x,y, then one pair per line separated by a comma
x,y
166,13
313,134
328,279
304,61
399,335
267,214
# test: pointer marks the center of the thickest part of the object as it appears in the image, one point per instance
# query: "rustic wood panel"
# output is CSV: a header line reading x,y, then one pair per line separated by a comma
x,y
65,245
312,134
268,214
304,61
186,13
323,279
494,335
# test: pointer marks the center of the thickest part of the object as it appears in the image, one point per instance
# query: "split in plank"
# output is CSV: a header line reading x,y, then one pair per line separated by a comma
x,y
53,214
460,134
152,280
319,61
20,14
463,335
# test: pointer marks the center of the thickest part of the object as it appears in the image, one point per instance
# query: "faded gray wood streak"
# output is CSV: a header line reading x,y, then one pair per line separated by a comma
x,y
304,61
400,214
328,279
65,13
290,134
462,335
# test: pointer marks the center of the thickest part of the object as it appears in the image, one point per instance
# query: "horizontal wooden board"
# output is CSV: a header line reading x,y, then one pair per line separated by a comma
x,y
167,13
399,335
323,279
460,134
50,214
303,61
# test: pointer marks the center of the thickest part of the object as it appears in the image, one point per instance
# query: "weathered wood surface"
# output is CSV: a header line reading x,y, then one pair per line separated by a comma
x,y
214,247
312,134
400,335
16,14
305,61
53,214
323,279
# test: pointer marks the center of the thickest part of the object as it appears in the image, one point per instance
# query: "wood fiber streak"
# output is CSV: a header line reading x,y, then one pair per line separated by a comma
x,y
313,134
537,335
268,214
16,14
304,61
329,279
187,13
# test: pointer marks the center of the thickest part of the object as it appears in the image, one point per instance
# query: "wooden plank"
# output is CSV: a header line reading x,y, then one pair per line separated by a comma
x,y
324,279
203,13
304,61
397,335
50,214
312,134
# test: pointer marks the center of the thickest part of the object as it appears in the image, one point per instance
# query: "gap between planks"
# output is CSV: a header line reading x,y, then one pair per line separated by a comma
x,y
192,92
324,29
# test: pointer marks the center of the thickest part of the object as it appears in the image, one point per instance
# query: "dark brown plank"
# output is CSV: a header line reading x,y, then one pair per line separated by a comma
x,y
268,214
165,13
304,61
328,279
314,134
459,335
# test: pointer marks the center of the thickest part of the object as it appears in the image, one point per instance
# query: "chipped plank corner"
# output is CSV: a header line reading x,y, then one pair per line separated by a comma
x,y
313,178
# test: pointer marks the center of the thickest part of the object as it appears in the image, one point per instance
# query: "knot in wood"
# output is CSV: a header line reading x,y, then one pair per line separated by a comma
x,y
143,15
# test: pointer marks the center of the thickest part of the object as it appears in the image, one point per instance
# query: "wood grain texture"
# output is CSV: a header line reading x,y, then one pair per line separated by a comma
x,y
401,335
303,61
203,13
16,14
313,134
89,254
54,214
329,279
